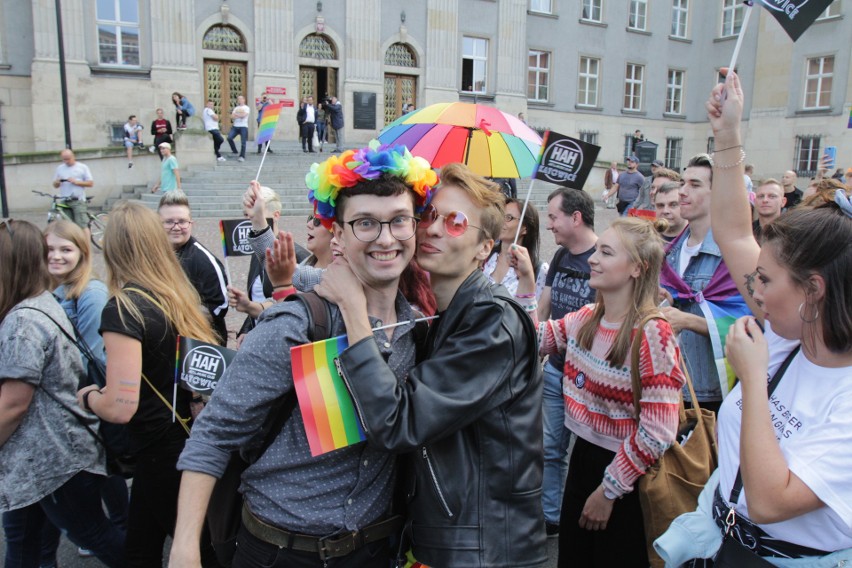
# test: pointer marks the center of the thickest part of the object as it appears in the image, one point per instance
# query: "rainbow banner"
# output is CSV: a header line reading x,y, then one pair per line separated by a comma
x,y
268,123
327,408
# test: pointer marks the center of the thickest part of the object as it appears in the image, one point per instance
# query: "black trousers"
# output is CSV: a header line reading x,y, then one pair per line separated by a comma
x,y
253,552
622,543
308,136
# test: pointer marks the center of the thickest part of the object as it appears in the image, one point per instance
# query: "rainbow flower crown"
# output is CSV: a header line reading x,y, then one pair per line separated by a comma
x,y
327,179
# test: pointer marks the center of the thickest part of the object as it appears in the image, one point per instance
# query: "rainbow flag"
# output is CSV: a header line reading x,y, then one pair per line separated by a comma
x,y
325,402
268,123
720,303
222,236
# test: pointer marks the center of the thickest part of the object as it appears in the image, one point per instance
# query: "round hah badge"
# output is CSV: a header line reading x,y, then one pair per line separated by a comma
x,y
240,238
562,161
580,380
202,368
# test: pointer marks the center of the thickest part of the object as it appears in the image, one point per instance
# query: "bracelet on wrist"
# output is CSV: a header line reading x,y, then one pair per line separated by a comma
x,y
739,162
525,295
728,148
279,295
531,307
86,406
287,285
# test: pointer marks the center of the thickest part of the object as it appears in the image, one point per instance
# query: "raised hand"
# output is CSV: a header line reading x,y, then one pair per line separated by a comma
x,y
281,260
725,105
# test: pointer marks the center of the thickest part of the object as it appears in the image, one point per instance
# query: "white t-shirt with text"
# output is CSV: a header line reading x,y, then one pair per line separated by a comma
x,y
811,411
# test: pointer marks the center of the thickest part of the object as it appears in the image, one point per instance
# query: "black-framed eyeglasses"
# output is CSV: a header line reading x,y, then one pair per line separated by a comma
x,y
182,223
367,229
315,220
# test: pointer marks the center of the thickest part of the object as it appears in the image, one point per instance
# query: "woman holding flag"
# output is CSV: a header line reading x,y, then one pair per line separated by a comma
x,y
601,523
785,430
151,303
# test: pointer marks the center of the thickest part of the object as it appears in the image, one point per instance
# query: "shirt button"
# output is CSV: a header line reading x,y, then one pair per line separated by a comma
x,y
387,345
379,323
349,501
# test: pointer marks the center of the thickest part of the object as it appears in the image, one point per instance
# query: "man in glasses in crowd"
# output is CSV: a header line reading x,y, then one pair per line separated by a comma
x,y
468,417
204,271
331,509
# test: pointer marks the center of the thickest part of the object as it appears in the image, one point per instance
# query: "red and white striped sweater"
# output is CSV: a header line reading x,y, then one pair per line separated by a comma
x,y
599,397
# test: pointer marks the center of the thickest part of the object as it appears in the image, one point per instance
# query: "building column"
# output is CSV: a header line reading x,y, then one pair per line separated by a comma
x,y
512,52
173,38
442,51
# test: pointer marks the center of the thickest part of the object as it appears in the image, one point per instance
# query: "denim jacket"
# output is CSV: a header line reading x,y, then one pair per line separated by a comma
x,y
85,313
697,349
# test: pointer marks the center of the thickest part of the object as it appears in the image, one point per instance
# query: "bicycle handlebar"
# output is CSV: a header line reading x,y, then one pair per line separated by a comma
x,y
56,197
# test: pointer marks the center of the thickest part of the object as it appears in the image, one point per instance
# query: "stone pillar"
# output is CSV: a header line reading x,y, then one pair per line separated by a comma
x,y
363,41
173,37
442,51
273,37
512,49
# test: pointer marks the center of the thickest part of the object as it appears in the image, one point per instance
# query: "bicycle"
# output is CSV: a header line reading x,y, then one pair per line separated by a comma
x,y
60,209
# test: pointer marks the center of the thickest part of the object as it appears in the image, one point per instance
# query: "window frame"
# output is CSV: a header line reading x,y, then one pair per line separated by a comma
x,y
539,71
812,159
819,77
732,9
592,5
680,8
631,81
475,58
584,77
535,10
674,153
637,16
118,24
589,137
672,88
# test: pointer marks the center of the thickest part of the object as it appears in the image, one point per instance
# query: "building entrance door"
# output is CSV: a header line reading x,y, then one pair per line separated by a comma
x,y
224,81
399,90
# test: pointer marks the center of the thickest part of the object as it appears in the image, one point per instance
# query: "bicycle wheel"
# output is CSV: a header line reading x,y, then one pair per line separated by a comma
x,y
97,226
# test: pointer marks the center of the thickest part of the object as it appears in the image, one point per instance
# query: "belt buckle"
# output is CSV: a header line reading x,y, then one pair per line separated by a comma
x,y
341,545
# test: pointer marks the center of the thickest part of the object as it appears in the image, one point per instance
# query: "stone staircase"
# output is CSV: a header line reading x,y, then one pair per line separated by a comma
x,y
216,190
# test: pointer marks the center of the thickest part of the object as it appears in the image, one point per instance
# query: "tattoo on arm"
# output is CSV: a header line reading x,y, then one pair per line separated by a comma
x,y
126,401
749,283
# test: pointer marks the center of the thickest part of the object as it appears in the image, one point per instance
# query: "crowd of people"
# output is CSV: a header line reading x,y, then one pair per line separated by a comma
x,y
437,281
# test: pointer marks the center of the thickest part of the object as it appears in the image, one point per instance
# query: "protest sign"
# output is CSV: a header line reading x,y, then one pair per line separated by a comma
x,y
565,160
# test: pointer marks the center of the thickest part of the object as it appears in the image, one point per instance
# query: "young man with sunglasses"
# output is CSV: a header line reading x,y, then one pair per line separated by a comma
x,y
302,510
468,417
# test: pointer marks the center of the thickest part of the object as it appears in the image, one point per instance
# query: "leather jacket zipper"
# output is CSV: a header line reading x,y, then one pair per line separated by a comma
x,y
354,400
435,483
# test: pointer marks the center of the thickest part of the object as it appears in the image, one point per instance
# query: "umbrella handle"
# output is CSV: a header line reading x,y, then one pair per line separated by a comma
x,y
469,140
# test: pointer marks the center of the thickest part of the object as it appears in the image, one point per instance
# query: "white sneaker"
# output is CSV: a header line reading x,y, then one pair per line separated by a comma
x,y
84,552
221,159
152,149
241,159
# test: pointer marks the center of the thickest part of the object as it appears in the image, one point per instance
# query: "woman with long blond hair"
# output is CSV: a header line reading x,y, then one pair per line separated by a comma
x,y
151,303
601,523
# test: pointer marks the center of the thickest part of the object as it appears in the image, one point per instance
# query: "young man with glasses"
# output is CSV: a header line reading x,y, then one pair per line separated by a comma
x,y
331,509
468,417
205,271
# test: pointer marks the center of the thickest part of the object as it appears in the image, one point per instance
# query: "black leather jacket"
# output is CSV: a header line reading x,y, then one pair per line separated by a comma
x,y
470,417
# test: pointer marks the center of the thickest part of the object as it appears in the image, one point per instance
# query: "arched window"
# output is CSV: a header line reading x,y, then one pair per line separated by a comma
x,y
223,38
400,55
317,46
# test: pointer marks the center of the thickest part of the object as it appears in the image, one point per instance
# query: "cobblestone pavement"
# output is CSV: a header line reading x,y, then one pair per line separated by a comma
x,y
207,231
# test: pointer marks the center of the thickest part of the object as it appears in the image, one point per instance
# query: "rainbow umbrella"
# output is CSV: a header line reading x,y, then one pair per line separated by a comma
x,y
491,142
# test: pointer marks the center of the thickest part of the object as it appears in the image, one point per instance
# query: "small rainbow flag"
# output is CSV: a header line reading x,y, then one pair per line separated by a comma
x,y
327,408
268,123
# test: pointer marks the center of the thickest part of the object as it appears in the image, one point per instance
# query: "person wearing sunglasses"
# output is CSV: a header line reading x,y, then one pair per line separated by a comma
x,y
205,272
331,509
468,416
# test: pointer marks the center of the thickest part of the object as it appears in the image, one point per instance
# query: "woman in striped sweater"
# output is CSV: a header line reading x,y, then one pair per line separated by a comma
x,y
601,522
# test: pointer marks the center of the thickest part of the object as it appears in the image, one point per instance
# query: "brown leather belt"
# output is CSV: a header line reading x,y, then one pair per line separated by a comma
x,y
333,546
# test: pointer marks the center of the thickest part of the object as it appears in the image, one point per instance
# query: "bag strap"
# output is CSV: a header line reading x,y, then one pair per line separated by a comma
x,y
634,370
181,420
773,384
319,328
78,340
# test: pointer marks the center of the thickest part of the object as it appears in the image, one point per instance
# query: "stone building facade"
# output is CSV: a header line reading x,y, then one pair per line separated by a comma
x,y
596,69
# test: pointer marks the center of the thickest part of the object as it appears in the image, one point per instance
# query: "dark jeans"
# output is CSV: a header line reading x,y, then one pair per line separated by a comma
x,y
76,509
180,118
622,543
622,206
153,507
321,135
253,552
217,141
242,132
308,136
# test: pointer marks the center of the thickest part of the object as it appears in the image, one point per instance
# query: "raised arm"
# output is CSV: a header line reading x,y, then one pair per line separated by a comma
x,y
730,213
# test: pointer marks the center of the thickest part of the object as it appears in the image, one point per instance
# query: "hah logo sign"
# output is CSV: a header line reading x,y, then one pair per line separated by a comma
x,y
235,236
795,16
566,161
201,365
